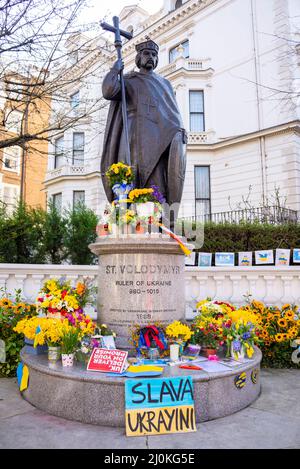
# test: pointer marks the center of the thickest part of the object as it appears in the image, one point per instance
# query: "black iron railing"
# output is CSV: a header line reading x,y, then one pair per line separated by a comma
x,y
274,215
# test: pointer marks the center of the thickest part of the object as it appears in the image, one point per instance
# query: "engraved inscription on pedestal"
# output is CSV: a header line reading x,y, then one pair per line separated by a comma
x,y
140,283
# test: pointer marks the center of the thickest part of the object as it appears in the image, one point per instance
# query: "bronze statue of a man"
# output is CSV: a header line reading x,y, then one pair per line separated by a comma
x,y
156,135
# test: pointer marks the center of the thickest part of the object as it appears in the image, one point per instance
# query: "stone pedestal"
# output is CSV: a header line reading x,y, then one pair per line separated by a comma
x,y
141,280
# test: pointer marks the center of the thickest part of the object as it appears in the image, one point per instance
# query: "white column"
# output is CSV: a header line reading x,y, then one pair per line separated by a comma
x,y
20,279
252,286
287,289
236,297
269,296
37,281
3,279
202,281
219,279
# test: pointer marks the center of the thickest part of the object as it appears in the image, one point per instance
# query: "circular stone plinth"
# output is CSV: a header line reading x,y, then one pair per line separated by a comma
x,y
92,397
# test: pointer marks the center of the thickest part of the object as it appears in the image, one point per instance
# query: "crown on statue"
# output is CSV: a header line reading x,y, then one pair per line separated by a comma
x,y
147,45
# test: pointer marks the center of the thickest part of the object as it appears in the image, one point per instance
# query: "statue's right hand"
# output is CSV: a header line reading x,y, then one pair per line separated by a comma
x,y
118,65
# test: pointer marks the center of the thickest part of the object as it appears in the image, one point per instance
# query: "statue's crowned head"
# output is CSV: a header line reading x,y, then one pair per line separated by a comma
x,y
147,55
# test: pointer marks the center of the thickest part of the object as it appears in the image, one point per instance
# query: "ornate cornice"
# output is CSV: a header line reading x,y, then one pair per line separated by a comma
x,y
164,24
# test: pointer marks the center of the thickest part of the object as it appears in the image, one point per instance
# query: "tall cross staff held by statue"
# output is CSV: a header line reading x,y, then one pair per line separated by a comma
x,y
118,45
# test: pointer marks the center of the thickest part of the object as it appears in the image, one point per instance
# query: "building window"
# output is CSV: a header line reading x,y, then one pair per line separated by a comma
x,y
78,149
178,4
57,201
59,152
202,192
10,196
13,121
173,54
11,159
75,100
197,123
78,198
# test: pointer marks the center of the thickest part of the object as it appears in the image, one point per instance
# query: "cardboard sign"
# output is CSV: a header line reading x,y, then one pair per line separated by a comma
x,y
204,259
245,259
264,257
159,406
296,256
282,257
224,259
107,361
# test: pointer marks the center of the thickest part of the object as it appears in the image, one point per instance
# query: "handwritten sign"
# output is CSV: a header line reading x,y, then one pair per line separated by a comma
x,y
159,406
107,361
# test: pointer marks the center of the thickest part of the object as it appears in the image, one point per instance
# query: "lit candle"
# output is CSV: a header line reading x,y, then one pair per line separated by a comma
x,y
174,352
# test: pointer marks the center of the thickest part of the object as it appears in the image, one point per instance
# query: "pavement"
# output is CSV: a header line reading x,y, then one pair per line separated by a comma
x,y
272,422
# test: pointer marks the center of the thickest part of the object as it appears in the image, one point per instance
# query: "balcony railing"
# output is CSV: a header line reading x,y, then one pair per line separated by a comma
x,y
72,170
188,64
273,215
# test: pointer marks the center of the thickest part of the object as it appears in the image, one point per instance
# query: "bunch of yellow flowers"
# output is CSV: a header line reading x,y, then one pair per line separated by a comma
x,y
141,195
177,330
119,173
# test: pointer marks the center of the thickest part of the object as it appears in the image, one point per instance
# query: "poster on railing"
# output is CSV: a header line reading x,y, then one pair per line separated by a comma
x,y
224,259
190,260
204,259
264,257
296,256
282,257
245,259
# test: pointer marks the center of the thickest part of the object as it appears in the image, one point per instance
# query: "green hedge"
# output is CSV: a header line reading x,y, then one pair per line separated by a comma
x,y
36,236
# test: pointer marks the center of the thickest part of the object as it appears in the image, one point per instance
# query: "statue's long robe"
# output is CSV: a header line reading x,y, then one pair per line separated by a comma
x,y
153,121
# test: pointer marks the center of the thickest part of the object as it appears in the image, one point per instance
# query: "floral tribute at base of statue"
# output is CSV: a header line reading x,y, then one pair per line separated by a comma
x,y
134,210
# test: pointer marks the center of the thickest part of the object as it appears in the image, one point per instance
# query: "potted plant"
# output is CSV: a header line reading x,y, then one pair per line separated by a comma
x,y
70,340
144,200
207,334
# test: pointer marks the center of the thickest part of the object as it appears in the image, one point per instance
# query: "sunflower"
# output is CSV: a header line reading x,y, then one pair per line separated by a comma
x,y
286,306
5,302
282,322
289,314
279,338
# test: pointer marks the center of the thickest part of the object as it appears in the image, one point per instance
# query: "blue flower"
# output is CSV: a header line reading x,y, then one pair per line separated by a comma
x,y
246,335
236,345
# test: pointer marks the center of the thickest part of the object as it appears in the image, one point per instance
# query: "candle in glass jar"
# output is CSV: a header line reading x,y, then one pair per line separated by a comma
x,y
174,352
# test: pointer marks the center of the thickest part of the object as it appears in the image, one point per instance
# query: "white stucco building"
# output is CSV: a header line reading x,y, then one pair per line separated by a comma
x,y
234,65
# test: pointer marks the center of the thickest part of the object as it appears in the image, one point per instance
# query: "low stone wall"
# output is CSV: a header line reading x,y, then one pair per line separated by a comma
x,y
272,285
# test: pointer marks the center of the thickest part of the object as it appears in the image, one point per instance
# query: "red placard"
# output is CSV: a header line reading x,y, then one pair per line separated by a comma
x,y
107,361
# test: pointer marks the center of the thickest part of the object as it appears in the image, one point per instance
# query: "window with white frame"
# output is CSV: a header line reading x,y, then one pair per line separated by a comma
x,y
174,53
13,121
11,159
78,198
197,121
78,149
58,152
75,99
57,201
202,192
10,195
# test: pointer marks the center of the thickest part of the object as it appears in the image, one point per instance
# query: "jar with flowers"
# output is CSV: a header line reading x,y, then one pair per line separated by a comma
x,y
242,335
178,333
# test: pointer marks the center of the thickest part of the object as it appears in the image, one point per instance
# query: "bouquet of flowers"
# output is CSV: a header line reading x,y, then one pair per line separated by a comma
x,y
58,299
178,331
209,331
242,335
214,309
119,173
